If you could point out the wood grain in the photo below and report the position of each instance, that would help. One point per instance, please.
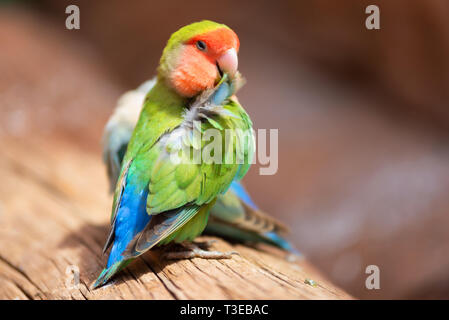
(53, 222)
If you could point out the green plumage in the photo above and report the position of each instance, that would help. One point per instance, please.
(176, 196)
(180, 37)
(172, 185)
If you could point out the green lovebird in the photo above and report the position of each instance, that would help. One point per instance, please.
(163, 193)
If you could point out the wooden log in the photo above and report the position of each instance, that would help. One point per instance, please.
(54, 218)
(54, 200)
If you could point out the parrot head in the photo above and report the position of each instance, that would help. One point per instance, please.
(197, 55)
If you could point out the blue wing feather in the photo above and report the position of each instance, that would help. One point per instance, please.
(132, 218)
(240, 191)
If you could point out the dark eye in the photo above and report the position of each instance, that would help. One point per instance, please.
(201, 45)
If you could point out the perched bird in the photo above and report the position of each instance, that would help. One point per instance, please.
(234, 216)
(158, 201)
(163, 194)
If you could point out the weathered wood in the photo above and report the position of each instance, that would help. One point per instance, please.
(53, 222)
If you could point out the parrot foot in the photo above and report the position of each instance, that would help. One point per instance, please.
(204, 244)
(194, 251)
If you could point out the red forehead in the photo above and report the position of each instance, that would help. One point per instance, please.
(218, 40)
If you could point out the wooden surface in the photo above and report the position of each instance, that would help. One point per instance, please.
(54, 220)
(54, 201)
(365, 186)
(365, 182)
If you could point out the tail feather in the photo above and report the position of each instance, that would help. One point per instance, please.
(281, 242)
(237, 217)
(108, 273)
(234, 233)
(130, 218)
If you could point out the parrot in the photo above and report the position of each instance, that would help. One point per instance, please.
(158, 200)
(234, 216)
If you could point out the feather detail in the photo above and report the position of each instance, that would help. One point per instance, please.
(119, 128)
(205, 107)
(109, 272)
(235, 216)
(162, 229)
(257, 220)
(121, 185)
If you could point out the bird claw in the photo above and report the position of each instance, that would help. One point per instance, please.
(194, 251)
(204, 244)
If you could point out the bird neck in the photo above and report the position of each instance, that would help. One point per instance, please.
(166, 95)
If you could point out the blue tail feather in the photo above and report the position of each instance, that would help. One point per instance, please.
(240, 191)
(131, 219)
(273, 237)
(282, 243)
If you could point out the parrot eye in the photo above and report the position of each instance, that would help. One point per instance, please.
(201, 45)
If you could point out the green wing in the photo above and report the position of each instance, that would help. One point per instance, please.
(160, 228)
(172, 185)
(178, 192)
(162, 112)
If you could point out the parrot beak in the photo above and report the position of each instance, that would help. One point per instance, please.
(228, 62)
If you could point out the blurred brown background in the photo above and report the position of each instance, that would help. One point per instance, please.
(363, 115)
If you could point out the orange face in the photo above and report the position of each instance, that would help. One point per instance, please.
(202, 59)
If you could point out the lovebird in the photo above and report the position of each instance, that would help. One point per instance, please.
(162, 193)
(234, 216)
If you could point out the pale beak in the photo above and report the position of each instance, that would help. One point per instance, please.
(228, 62)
